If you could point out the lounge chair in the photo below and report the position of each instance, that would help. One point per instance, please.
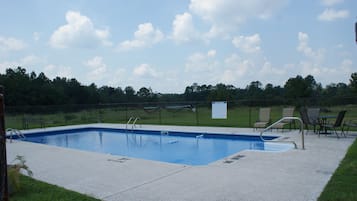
(336, 124)
(287, 112)
(264, 118)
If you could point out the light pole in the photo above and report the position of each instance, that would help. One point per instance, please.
(356, 32)
(4, 196)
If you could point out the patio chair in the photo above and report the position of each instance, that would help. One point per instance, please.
(336, 124)
(287, 112)
(347, 125)
(304, 117)
(310, 116)
(313, 117)
(264, 118)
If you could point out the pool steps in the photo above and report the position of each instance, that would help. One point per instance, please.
(199, 136)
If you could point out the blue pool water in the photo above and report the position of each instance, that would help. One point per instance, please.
(166, 146)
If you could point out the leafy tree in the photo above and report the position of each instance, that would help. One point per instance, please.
(23, 88)
(129, 93)
(254, 89)
(221, 92)
(111, 95)
(144, 92)
(353, 82)
(299, 87)
(271, 91)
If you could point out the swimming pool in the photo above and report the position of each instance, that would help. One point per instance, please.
(189, 148)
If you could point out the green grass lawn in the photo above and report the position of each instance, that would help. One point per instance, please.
(34, 190)
(343, 183)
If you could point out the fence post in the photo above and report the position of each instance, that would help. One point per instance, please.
(126, 112)
(250, 116)
(3, 170)
(160, 114)
(197, 119)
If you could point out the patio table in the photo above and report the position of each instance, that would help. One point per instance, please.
(323, 121)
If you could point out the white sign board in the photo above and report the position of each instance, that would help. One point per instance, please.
(219, 110)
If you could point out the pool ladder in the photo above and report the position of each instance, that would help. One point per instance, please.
(12, 131)
(133, 125)
(279, 121)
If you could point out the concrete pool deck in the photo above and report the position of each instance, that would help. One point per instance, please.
(298, 175)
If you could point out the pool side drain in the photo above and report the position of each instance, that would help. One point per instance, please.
(234, 158)
(228, 161)
(119, 160)
(237, 157)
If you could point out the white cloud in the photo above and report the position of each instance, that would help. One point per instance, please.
(184, 29)
(330, 14)
(248, 44)
(211, 53)
(268, 70)
(303, 47)
(331, 2)
(235, 69)
(36, 36)
(346, 66)
(328, 74)
(98, 69)
(52, 71)
(8, 64)
(79, 32)
(315, 64)
(11, 44)
(310, 68)
(201, 62)
(32, 60)
(145, 36)
(145, 71)
(227, 15)
(240, 71)
(28, 62)
(117, 77)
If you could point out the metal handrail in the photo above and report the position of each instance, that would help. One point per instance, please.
(12, 131)
(128, 122)
(135, 119)
(134, 122)
(279, 121)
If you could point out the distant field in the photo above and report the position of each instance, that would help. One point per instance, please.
(237, 116)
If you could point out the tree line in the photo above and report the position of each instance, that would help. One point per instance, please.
(23, 88)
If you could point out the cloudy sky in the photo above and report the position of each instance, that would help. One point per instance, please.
(170, 44)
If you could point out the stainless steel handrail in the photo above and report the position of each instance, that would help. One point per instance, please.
(279, 121)
(134, 122)
(128, 122)
(12, 131)
(135, 119)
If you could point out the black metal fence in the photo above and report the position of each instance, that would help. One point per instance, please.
(240, 113)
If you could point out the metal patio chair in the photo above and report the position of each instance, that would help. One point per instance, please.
(336, 124)
(313, 117)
